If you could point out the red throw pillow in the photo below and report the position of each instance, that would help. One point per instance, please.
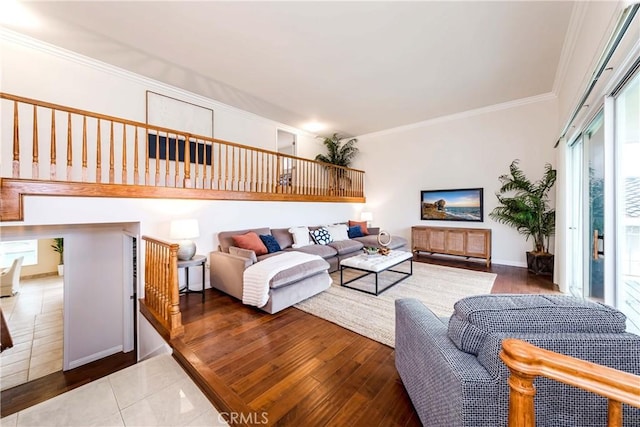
(250, 241)
(362, 224)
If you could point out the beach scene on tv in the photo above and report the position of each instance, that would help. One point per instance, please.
(452, 205)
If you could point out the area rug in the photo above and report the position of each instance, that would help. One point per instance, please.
(438, 287)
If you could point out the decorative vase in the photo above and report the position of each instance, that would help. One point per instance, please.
(60, 269)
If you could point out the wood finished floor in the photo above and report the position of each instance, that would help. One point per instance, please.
(297, 367)
(300, 369)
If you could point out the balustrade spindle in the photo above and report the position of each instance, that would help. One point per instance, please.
(136, 172)
(98, 153)
(84, 149)
(16, 143)
(166, 160)
(176, 164)
(35, 169)
(52, 163)
(69, 150)
(187, 160)
(112, 160)
(124, 154)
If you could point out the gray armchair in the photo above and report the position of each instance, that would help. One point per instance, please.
(453, 374)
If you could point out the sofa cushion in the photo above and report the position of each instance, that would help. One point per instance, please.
(324, 251)
(362, 224)
(321, 236)
(225, 238)
(474, 318)
(244, 253)
(298, 272)
(250, 241)
(301, 236)
(355, 231)
(283, 236)
(346, 246)
(270, 243)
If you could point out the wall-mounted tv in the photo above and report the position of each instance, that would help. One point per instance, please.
(465, 204)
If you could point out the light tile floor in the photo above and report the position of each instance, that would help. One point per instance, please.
(34, 318)
(156, 392)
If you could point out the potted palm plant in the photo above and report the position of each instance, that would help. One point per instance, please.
(524, 205)
(58, 246)
(339, 153)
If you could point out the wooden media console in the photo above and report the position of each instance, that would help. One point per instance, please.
(466, 242)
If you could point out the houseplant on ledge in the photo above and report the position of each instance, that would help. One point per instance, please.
(58, 246)
(339, 153)
(524, 205)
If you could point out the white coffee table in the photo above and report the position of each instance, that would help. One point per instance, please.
(376, 264)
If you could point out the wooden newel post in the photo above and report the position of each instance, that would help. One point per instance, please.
(521, 388)
(175, 317)
(521, 399)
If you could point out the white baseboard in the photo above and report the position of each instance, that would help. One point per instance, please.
(93, 357)
(509, 263)
(163, 349)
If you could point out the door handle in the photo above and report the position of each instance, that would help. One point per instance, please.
(596, 244)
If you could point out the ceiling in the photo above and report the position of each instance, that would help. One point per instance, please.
(359, 67)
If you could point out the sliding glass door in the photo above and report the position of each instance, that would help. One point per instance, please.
(586, 230)
(627, 131)
(604, 160)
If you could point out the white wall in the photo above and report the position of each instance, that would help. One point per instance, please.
(35, 70)
(93, 286)
(48, 261)
(93, 296)
(463, 151)
(595, 22)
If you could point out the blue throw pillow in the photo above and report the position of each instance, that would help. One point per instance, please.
(355, 231)
(270, 242)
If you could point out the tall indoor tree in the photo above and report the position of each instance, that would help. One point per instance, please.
(525, 206)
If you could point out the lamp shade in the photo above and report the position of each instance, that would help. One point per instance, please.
(182, 229)
(366, 216)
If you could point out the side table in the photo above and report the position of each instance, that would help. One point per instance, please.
(197, 260)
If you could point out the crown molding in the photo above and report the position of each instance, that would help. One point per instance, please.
(151, 84)
(466, 114)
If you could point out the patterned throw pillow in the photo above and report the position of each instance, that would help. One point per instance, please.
(271, 243)
(355, 231)
(321, 236)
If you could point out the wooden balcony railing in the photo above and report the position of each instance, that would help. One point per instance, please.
(526, 362)
(51, 143)
(161, 303)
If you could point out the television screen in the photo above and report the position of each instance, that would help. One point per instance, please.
(452, 205)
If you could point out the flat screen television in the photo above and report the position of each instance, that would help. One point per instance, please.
(464, 204)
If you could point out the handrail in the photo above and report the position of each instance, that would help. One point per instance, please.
(161, 304)
(526, 361)
(142, 154)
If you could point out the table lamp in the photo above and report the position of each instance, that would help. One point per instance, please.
(366, 216)
(184, 230)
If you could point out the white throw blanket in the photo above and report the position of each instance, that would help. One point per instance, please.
(256, 278)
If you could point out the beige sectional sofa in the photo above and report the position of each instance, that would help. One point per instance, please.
(292, 285)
